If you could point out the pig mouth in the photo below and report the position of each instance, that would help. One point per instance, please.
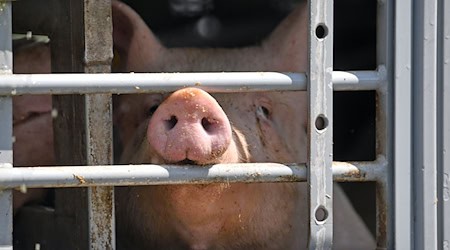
(186, 162)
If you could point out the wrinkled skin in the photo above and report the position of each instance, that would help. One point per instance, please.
(219, 216)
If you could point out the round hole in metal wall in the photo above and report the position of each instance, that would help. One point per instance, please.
(321, 214)
(321, 31)
(321, 122)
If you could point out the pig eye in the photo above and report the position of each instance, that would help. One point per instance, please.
(263, 111)
(152, 110)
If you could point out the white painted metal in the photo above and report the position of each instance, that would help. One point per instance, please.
(320, 126)
(122, 175)
(444, 124)
(19, 84)
(425, 124)
(402, 125)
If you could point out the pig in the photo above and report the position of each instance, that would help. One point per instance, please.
(192, 127)
(247, 127)
(32, 119)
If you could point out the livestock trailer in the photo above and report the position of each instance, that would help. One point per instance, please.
(410, 81)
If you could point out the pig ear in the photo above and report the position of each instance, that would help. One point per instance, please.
(135, 45)
(289, 40)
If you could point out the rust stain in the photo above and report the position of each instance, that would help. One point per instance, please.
(355, 174)
(382, 215)
(255, 176)
(103, 205)
(79, 178)
(290, 178)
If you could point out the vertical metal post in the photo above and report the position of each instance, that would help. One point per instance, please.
(425, 123)
(84, 124)
(99, 151)
(384, 123)
(401, 80)
(97, 57)
(444, 124)
(6, 210)
(6, 154)
(320, 95)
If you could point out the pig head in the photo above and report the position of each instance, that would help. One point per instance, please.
(192, 127)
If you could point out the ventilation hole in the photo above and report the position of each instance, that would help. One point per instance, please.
(321, 122)
(321, 214)
(321, 31)
(170, 124)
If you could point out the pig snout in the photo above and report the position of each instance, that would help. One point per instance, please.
(189, 126)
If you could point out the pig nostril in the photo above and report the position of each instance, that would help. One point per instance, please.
(207, 124)
(170, 124)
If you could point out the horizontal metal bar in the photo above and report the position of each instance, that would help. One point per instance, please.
(362, 171)
(359, 80)
(125, 175)
(118, 83)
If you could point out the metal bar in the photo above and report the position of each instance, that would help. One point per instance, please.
(402, 98)
(122, 175)
(6, 154)
(320, 133)
(360, 171)
(97, 58)
(444, 124)
(382, 203)
(6, 210)
(384, 123)
(102, 223)
(425, 122)
(19, 84)
(100, 199)
(359, 80)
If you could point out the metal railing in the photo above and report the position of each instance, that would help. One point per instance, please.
(413, 132)
(321, 107)
(215, 82)
(118, 83)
